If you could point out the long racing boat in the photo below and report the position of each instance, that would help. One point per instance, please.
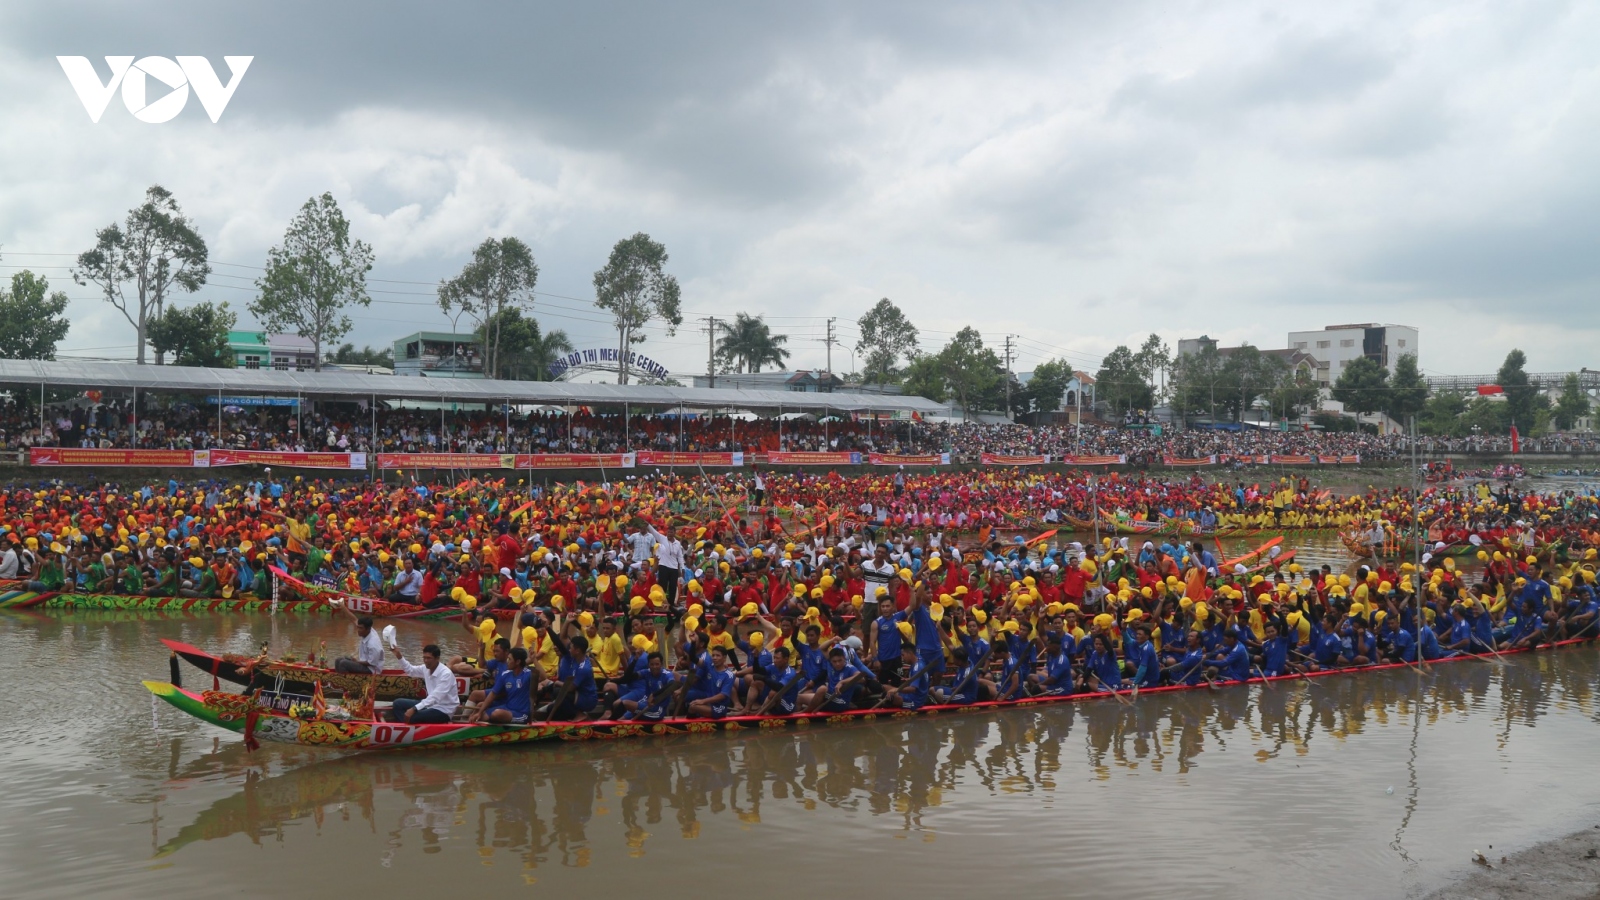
(290, 720)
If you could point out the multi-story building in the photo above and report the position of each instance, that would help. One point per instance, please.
(261, 350)
(1336, 346)
(439, 354)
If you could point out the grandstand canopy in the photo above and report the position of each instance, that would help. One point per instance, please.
(114, 376)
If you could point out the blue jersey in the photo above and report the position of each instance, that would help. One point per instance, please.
(1104, 666)
(1187, 668)
(914, 692)
(812, 663)
(927, 631)
(1275, 656)
(511, 692)
(1402, 644)
(1146, 666)
(1235, 663)
(780, 677)
(888, 636)
(837, 677)
(581, 672)
(1058, 672)
(720, 682)
(965, 688)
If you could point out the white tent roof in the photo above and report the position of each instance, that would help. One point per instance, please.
(357, 386)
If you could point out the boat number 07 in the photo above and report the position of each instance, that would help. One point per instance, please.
(388, 735)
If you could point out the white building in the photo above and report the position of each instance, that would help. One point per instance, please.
(1336, 346)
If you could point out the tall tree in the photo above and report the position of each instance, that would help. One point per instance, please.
(1154, 359)
(1363, 386)
(32, 318)
(137, 264)
(1524, 399)
(887, 337)
(972, 372)
(1048, 385)
(1572, 405)
(1247, 374)
(195, 335)
(1123, 382)
(311, 278)
(1408, 390)
(747, 344)
(501, 276)
(1197, 379)
(635, 288)
(527, 352)
(1295, 390)
(923, 377)
(1441, 414)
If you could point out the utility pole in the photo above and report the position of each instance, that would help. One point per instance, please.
(711, 350)
(830, 340)
(1008, 376)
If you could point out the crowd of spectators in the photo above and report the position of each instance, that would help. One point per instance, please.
(178, 424)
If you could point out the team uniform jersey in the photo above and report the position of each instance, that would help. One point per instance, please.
(511, 693)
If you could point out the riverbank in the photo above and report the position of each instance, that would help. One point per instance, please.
(1567, 868)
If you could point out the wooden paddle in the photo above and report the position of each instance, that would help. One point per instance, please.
(1253, 553)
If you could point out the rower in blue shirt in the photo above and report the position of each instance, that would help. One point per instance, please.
(1399, 645)
(784, 697)
(649, 693)
(1142, 659)
(1058, 679)
(1232, 663)
(717, 691)
(842, 682)
(1186, 665)
(1101, 669)
(930, 649)
(577, 695)
(510, 701)
(1274, 652)
(913, 694)
(964, 690)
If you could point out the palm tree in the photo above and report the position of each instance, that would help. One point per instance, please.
(747, 344)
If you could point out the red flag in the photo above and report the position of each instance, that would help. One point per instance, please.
(1516, 443)
(1489, 390)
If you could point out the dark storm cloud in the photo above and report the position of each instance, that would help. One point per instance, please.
(752, 102)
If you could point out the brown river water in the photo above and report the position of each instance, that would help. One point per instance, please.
(1368, 785)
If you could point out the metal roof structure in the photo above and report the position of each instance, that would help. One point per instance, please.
(359, 386)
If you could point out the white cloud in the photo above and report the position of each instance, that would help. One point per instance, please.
(1079, 177)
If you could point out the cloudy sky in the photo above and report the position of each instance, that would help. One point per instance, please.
(1075, 174)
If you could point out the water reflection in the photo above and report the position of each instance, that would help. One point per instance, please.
(542, 806)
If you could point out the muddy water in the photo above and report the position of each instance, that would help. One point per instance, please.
(1373, 785)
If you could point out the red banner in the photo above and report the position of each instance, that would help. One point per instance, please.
(1094, 460)
(664, 458)
(290, 460)
(996, 459)
(1185, 461)
(895, 459)
(812, 458)
(1283, 460)
(81, 456)
(575, 460)
(446, 460)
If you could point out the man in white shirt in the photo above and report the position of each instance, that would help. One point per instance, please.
(878, 571)
(442, 699)
(669, 564)
(9, 562)
(369, 650)
(407, 583)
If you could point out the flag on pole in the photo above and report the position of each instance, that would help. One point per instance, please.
(1489, 390)
(1516, 444)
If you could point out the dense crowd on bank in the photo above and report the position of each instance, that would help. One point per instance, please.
(355, 427)
(718, 574)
